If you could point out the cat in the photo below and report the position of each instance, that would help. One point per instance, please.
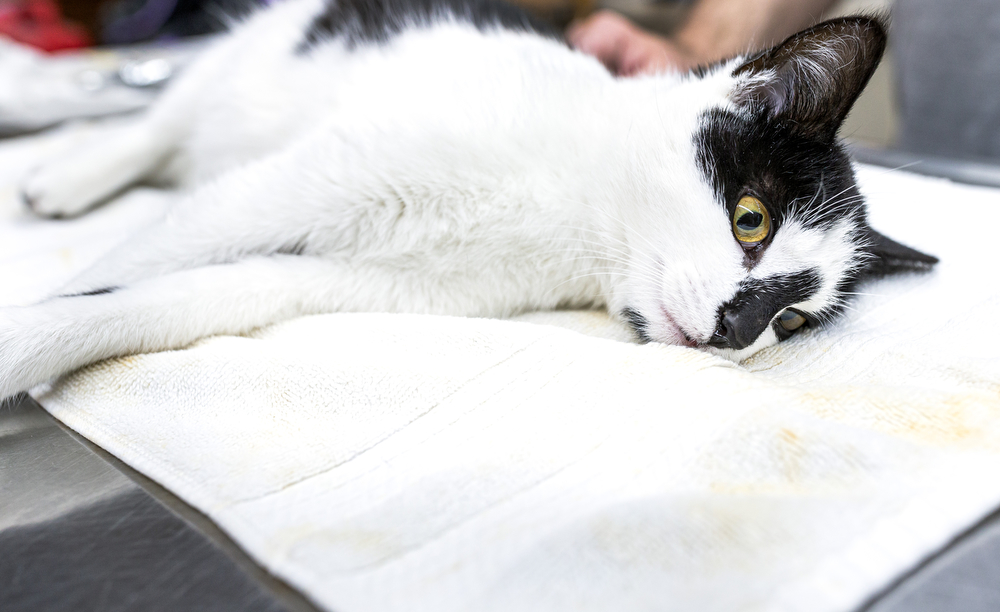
(455, 157)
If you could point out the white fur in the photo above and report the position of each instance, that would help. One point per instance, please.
(514, 175)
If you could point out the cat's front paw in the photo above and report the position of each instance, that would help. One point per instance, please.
(60, 190)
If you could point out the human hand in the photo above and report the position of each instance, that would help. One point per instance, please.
(626, 49)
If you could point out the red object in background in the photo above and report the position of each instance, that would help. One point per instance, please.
(38, 23)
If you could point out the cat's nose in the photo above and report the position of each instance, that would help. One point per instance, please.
(734, 333)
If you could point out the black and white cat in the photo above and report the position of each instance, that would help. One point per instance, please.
(451, 157)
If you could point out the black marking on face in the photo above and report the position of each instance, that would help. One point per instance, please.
(791, 321)
(752, 155)
(359, 22)
(779, 144)
(638, 323)
(102, 291)
(745, 317)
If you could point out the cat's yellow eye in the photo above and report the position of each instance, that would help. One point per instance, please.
(791, 320)
(751, 222)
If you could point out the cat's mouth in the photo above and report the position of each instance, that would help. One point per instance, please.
(679, 335)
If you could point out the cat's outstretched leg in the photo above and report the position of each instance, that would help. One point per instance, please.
(316, 196)
(245, 212)
(84, 176)
(62, 334)
(121, 155)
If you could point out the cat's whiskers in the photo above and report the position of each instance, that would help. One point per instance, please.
(612, 265)
(630, 259)
(793, 210)
(621, 265)
(839, 203)
(599, 251)
(834, 198)
(602, 293)
(846, 306)
(627, 269)
(621, 269)
(625, 226)
(862, 293)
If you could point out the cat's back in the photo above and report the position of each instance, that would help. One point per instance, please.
(298, 65)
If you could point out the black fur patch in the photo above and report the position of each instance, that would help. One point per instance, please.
(747, 315)
(780, 144)
(638, 323)
(742, 155)
(891, 257)
(359, 22)
(102, 291)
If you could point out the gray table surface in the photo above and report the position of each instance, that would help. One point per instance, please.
(81, 531)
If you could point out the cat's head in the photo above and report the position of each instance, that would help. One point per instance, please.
(775, 235)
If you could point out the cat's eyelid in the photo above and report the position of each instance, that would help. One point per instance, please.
(811, 319)
(782, 332)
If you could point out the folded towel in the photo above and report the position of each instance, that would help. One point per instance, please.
(402, 462)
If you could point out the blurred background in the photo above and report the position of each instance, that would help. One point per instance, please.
(936, 95)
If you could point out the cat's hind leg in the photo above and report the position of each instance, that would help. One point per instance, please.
(242, 213)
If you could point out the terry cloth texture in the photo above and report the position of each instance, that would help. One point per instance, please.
(397, 462)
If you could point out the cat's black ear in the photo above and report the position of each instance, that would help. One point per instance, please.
(890, 257)
(811, 80)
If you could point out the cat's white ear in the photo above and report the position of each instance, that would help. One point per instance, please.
(811, 80)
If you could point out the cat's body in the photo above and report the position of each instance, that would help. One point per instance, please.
(441, 157)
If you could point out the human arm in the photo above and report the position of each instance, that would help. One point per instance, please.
(714, 29)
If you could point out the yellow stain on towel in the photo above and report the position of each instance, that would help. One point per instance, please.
(762, 457)
(969, 418)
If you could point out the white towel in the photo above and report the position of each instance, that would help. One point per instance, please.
(400, 462)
